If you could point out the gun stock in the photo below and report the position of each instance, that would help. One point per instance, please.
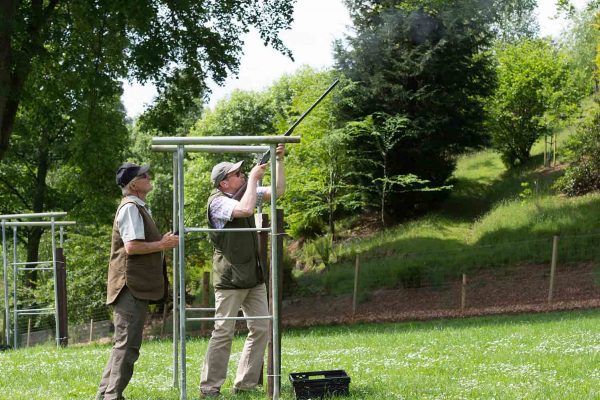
(267, 155)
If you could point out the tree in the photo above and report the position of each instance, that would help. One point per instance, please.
(144, 40)
(383, 132)
(580, 45)
(429, 62)
(61, 123)
(533, 85)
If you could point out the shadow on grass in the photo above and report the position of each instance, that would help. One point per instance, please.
(472, 198)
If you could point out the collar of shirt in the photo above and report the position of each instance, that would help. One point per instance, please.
(140, 202)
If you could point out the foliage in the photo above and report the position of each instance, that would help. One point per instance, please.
(63, 121)
(508, 357)
(426, 61)
(533, 89)
(87, 251)
(583, 154)
(152, 40)
(381, 133)
(580, 46)
(318, 188)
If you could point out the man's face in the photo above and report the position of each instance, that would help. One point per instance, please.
(233, 181)
(142, 183)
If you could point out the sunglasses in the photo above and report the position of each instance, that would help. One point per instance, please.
(236, 173)
(143, 176)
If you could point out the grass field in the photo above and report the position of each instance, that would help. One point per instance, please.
(541, 356)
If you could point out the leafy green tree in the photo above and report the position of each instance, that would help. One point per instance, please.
(533, 86)
(426, 61)
(383, 132)
(318, 168)
(146, 40)
(580, 45)
(55, 162)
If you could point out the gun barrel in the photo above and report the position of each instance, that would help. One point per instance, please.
(265, 157)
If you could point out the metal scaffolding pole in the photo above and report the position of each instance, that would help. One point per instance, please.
(275, 279)
(181, 225)
(175, 222)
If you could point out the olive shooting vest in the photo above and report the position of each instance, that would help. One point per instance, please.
(235, 259)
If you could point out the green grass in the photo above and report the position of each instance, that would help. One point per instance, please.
(494, 217)
(541, 356)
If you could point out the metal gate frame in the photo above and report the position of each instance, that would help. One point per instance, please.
(13, 220)
(216, 144)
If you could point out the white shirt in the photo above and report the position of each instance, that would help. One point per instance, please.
(130, 222)
(221, 208)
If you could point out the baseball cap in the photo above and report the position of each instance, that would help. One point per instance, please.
(221, 170)
(128, 171)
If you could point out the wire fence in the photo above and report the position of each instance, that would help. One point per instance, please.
(507, 277)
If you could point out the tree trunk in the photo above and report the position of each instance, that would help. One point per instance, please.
(15, 63)
(7, 16)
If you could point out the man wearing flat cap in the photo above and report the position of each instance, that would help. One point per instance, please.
(238, 276)
(136, 276)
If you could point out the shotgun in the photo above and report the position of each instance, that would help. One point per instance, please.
(267, 155)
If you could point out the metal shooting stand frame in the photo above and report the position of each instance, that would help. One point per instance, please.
(13, 220)
(216, 144)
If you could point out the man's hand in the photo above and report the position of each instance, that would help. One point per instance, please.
(257, 172)
(169, 241)
(280, 151)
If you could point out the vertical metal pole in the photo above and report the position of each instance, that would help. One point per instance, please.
(56, 317)
(5, 263)
(62, 233)
(180, 155)
(175, 266)
(275, 280)
(15, 302)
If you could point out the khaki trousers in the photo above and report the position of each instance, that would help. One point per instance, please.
(129, 316)
(227, 303)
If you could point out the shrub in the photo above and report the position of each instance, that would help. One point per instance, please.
(583, 153)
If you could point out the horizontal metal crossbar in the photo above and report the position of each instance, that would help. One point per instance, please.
(228, 230)
(36, 269)
(235, 140)
(35, 311)
(34, 215)
(32, 263)
(230, 318)
(40, 223)
(212, 149)
(200, 309)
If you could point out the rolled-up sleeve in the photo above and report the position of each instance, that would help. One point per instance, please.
(130, 223)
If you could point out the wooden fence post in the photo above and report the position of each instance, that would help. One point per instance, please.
(463, 293)
(28, 330)
(553, 267)
(355, 292)
(205, 300)
(91, 329)
(61, 283)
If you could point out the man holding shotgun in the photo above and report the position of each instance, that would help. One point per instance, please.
(238, 276)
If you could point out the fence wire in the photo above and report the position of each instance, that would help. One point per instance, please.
(499, 278)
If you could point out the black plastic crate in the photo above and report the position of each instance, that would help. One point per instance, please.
(316, 384)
